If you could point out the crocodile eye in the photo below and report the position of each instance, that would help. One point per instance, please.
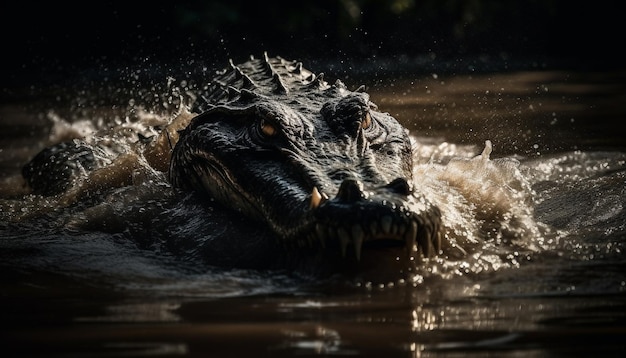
(267, 128)
(367, 121)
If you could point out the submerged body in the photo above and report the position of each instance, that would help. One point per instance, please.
(281, 169)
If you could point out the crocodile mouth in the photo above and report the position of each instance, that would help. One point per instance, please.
(380, 220)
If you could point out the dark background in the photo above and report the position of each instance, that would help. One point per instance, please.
(55, 41)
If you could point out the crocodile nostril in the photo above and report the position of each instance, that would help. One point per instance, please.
(400, 186)
(351, 190)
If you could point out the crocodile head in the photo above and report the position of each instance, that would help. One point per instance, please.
(318, 164)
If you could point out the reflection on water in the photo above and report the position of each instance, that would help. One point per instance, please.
(552, 283)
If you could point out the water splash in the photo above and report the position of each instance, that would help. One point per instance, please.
(487, 208)
(486, 204)
(497, 212)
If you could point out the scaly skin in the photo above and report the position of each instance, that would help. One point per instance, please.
(316, 163)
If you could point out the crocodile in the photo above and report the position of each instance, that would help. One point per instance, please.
(316, 164)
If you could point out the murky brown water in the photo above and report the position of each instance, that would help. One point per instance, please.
(92, 296)
(523, 113)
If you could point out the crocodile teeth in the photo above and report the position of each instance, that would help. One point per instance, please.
(357, 240)
(411, 233)
(344, 240)
(316, 198)
(411, 236)
(424, 240)
(374, 228)
(385, 223)
(416, 235)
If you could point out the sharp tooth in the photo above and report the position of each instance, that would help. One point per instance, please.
(437, 238)
(401, 230)
(344, 239)
(385, 223)
(357, 240)
(316, 198)
(373, 228)
(410, 238)
(423, 239)
(431, 237)
(411, 233)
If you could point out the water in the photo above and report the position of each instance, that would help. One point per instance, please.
(527, 167)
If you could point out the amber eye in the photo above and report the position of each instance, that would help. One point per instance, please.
(267, 128)
(367, 121)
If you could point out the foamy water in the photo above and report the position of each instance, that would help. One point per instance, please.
(488, 205)
(498, 211)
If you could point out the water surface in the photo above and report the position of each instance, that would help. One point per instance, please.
(541, 217)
